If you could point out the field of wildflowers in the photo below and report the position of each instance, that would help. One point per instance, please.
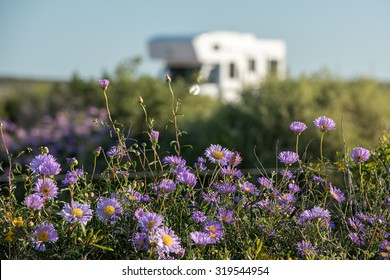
(150, 204)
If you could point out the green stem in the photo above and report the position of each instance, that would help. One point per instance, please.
(174, 112)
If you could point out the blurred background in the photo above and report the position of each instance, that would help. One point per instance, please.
(52, 53)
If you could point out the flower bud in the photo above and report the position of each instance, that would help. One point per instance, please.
(168, 79)
(104, 84)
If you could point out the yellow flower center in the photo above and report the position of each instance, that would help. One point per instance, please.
(18, 222)
(225, 218)
(248, 189)
(140, 242)
(324, 127)
(109, 210)
(167, 240)
(212, 235)
(77, 212)
(45, 190)
(212, 228)
(218, 155)
(43, 236)
(150, 224)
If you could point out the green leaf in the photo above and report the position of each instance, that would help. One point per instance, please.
(103, 247)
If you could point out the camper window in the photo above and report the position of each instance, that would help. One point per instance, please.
(232, 70)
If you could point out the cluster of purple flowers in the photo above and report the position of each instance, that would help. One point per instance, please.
(316, 214)
(212, 231)
(43, 234)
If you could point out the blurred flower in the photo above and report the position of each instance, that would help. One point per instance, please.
(141, 241)
(226, 216)
(248, 187)
(115, 151)
(104, 84)
(76, 212)
(198, 216)
(265, 182)
(287, 174)
(294, 188)
(150, 221)
(336, 193)
(200, 164)
(360, 154)
(46, 187)
(139, 213)
(166, 240)
(214, 229)
(43, 234)
(324, 124)
(18, 222)
(165, 186)
(288, 157)
(201, 238)
(174, 161)
(133, 195)
(318, 179)
(10, 236)
(355, 238)
(306, 249)
(286, 198)
(72, 177)
(154, 136)
(225, 188)
(233, 158)
(186, 177)
(211, 197)
(34, 201)
(46, 165)
(298, 127)
(231, 171)
(217, 154)
(109, 209)
(72, 161)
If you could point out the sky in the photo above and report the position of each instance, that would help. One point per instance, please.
(53, 39)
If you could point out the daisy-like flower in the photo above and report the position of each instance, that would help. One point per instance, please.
(200, 164)
(318, 179)
(285, 198)
(34, 201)
(103, 84)
(150, 221)
(306, 249)
(174, 161)
(226, 216)
(294, 188)
(288, 157)
(324, 124)
(336, 193)
(298, 127)
(167, 241)
(165, 186)
(43, 234)
(47, 188)
(217, 154)
(358, 240)
(233, 158)
(186, 177)
(139, 213)
(109, 210)
(46, 165)
(265, 182)
(212, 197)
(214, 229)
(248, 187)
(360, 154)
(76, 212)
(201, 238)
(225, 188)
(141, 241)
(231, 171)
(72, 177)
(115, 152)
(198, 216)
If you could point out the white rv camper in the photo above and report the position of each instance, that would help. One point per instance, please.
(224, 61)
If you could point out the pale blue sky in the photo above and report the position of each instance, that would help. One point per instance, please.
(55, 38)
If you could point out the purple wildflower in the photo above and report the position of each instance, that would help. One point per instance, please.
(217, 154)
(231, 171)
(72, 177)
(115, 151)
(324, 124)
(186, 177)
(225, 188)
(103, 84)
(165, 186)
(214, 229)
(286, 198)
(46, 187)
(360, 154)
(200, 164)
(201, 238)
(212, 197)
(306, 249)
(288, 157)
(46, 165)
(174, 161)
(43, 234)
(154, 136)
(233, 158)
(76, 212)
(150, 221)
(139, 213)
(318, 179)
(141, 241)
(336, 193)
(298, 127)
(34, 201)
(248, 187)
(355, 238)
(109, 209)
(133, 195)
(167, 241)
(198, 216)
(294, 188)
(226, 216)
(265, 182)
(287, 174)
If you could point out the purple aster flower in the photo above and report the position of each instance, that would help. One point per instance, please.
(76, 212)
(150, 221)
(43, 234)
(226, 216)
(46, 165)
(265, 182)
(46, 187)
(201, 238)
(72, 177)
(133, 195)
(165, 186)
(103, 84)
(304, 218)
(186, 177)
(294, 188)
(249, 188)
(167, 241)
(200, 164)
(212, 197)
(231, 171)
(358, 240)
(336, 193)
(145, 198)
(174, 161)
(233, 158)
(288, 157)
(214, 229)
(360, 154)
(385, 245)
(72, 161)
(306, 249)
(34, 201)
(318, 179)
(318, 213)
(287, 174)
(109, 209)
(139, 213)
(298, 127)
(115, 151)
(217, 154)
(141, 241)
(154, 136)
(198, 216)
(356, 224)
(286, 198)
(265, 204)
(324, 124)
(225, 188)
